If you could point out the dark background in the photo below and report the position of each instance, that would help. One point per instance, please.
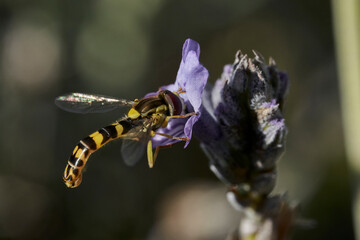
(127, 49)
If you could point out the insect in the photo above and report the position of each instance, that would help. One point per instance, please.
(136, 128)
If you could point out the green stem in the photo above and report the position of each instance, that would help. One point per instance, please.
(346, 27)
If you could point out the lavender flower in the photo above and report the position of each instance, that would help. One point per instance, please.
(191, 78)
(242, 131)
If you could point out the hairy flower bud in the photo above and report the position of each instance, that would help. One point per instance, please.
(242, 129)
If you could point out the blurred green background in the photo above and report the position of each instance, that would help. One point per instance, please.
(127, 49)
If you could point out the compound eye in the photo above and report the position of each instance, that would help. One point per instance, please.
(174, 102)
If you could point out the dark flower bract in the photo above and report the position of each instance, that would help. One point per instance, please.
(242, 129)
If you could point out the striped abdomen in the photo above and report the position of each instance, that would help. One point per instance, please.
(73, 171)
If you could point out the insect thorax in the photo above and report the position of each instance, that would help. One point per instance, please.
(147, 106)
(157, 108)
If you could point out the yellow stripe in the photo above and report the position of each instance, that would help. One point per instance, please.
(119, 129)
(78, 153)
(133, 114)
(75, 149)
(66, 176)
(98, 138)
(94, 134)
(82, 157)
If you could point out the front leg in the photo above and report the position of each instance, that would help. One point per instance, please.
(152, 157)
(166, 121)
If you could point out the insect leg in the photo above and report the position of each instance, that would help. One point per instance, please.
(172, 137)
(81, 153)
(150, 154)
(157, 149)
(151, 157)
(179, 91)
(183, 116)
(166, 121)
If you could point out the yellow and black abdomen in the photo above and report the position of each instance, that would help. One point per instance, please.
(82, 151)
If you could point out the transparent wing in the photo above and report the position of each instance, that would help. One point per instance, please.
(134, 144)
(90, 103)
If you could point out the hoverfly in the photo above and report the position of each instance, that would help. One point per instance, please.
(139, 125)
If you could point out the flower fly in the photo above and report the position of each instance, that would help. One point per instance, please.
(136, 128)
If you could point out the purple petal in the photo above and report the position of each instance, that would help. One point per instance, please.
(192, 77)
(271, 105)
(189, 126)
(170, 87)
(190, 45)
(174, 128)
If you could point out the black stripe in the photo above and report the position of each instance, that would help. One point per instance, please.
(84, 149)
(126, 126)
(111, 130)
(147, 104)
(67, 170)
(89, 142)
(105, 134)
(76, 172)
(86, 152)
(79, 163)
(72, 160)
